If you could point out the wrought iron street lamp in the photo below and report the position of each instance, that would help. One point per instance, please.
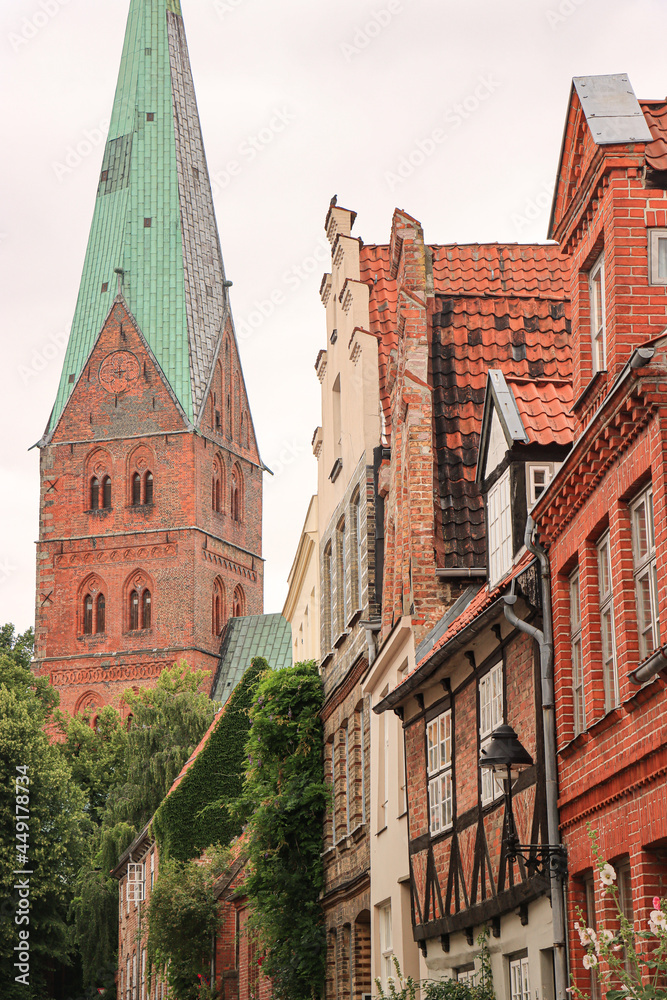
(506, 756)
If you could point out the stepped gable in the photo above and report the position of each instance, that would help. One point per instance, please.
(375, 271)
(496, 306)
(153, 218)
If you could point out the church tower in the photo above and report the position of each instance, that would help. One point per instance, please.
(151, 480)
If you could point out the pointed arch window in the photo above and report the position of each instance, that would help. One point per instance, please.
(148, 488)
(88, 614)
(101, 616)
(218, 607)
(146, 606)
(136, 490)
(106, 492)
(216, 485)
(236, 506)
(94, 493)
(134, 611)
(239, 603)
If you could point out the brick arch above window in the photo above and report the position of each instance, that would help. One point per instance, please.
(92, 608)
(138, 602)
(89, 700)
(98, 480)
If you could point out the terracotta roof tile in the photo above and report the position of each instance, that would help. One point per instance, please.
(497, 306)
(545, 409)
(655, 113)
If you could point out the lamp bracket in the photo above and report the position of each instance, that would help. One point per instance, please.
(549, 860)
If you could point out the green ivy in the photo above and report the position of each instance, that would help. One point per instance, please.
(197, 813)
(283, 801)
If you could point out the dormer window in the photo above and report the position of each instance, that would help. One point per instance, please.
(500, 529)
(596, 289)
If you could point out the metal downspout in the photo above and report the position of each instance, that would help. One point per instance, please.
(544, 639)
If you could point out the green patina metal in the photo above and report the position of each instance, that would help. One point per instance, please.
(137, 220)
(268, 636)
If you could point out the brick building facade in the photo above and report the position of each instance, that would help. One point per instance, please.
(151, 481)
(603, 517)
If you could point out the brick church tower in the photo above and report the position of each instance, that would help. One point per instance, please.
(151, 480)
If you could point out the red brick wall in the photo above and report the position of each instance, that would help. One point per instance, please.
(178, 545)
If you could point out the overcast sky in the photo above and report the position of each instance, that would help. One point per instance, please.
(299, 100)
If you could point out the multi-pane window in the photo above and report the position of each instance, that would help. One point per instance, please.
(539, 477)
(346, 751)
(645, 571)
(136, 489)
(466, 973)
(491, 713)
(341, 563)
(519, 979)
(596, 289)
(440, 793)
(386, 947)
(575, 647)
(500, 529)
(609, 664)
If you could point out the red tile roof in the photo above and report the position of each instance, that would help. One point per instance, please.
(480, 602)
(655, 113)
(545, 409)
(497, 306)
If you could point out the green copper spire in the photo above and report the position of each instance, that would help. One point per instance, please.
(153, 218)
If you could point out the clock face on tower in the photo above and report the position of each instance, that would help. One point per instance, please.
(119, 371)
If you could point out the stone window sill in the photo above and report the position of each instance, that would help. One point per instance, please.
(358, 833)
(340, 639)
(606, 722)
(576, 743)
(644, 694)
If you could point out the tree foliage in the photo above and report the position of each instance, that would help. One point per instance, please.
(183, 915)
(284, 799)
(57, 825)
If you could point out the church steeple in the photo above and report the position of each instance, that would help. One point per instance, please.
(153, 218)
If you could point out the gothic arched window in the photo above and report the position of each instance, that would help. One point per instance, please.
(106, 492)
(136, 490)
(146, 609)
(148, 488)
(94, 493)
(239, 603)
(134, 611)
(101, 616)
(88, 615)
(236, 506)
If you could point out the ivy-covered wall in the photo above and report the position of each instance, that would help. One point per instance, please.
(196, 814)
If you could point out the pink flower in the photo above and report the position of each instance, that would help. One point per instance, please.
(590, 961)
(656, 902)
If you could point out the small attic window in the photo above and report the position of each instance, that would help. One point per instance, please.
(150, 116)
(657, 256)
(71, 379)
(149, 52)
(105, 175)
(148, 223)
(105, 286)
(539, 477)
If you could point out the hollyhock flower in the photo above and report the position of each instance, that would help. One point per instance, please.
(590, 961)
(605, 935)
(607, 875)
(657, 922)
(656, 902)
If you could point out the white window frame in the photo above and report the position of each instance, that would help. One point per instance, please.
(533, 495)
(386, 947)
(500, 529)
(439, 744)
(519, 979)
(346, 751)
(612, 697)
(654, 238)
(136, 881)
(491, 715)
(466, 974)
(645, 573)
(143, 974)
(578, 698)
(598, 323)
